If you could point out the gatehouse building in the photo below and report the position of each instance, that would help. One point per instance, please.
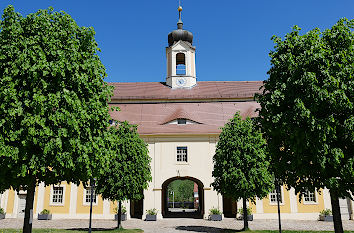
(180, 119)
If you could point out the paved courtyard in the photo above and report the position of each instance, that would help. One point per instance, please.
(181, 225)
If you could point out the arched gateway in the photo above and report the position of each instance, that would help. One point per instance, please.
(193, 209)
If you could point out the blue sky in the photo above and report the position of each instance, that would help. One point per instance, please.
(232, 36)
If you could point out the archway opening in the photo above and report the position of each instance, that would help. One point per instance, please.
(182, 197)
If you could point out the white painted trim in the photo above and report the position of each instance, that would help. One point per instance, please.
(106, 208)
(73, 199)
(4, 199)
(293, 201)
(15, 210)
(82, 216)
(259, 206)
(294, 216)
(40, 197)
(326, 199)
(51, 195)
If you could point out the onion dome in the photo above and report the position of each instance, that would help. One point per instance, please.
(180, 34)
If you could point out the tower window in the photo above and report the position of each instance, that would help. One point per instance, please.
(181, 64)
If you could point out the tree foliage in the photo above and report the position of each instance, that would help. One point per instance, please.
(53, 100)
(307, 109)
(183, 190)
(127, 171)
(240, 161)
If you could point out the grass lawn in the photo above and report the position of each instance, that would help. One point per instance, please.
(71, 231)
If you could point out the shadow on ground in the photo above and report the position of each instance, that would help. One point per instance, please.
(205, 229)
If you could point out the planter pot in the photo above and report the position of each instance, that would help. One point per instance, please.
(150, 217)
(44, 216)
(215, 217)
(123, 216)
(2, 216)
(249, 217)
(326, 218)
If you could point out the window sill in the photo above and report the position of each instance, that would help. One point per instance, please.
(275, 204)
(310, 203)
(182, 163)
(88, 204)
(53, 204)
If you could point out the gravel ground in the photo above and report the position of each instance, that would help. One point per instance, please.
(181, 225)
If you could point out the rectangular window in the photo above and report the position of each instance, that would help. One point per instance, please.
(88, 196)
(58, 194)
(273, 197)
(309, 197)
(182, 154)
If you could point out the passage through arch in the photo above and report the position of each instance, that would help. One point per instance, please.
(182, 197)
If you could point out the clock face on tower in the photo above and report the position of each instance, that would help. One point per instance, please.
(181, 82)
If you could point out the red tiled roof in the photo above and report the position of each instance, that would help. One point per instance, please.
(203, 90)
(150, 117)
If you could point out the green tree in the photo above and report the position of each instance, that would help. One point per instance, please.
(53, 102)
(240, 163)
(183, 190)
(127, 171)
(307, 111)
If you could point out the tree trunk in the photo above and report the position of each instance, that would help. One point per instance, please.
(245, 215)
(27, 224)
(337, 218)
(119, 215)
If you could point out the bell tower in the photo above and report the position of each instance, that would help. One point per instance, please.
(180, 55)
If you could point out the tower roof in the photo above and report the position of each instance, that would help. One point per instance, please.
(180, 33)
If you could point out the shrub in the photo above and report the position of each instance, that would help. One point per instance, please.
(215, 211)
(124, 210)
(2, 211)
(45, 211)
(152, 211)
(240, 211)
(326, 212)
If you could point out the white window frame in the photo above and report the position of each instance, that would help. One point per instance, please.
(310, 202)
(282, 202)
(52, 192)
(176, 155)
(84, 197)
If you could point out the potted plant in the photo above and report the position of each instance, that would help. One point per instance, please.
(249, 214)
(45, 215)
(2, 213)
(215, 214)
(123, 215)
(326, 215)
(151, 215)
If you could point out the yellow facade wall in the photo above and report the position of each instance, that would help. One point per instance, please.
(284, 208)
(57, 209)
(10, 202)
(85, 209)
(311, 208)
(112, 206)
